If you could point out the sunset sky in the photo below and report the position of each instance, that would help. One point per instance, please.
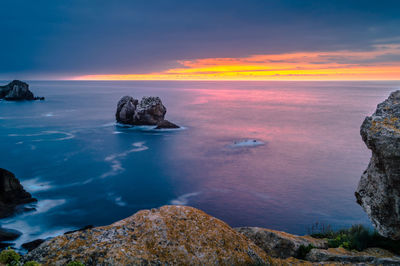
(200, 40)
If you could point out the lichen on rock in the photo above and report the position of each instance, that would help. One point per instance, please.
(170, 235)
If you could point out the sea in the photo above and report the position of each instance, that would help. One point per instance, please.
(280, 155)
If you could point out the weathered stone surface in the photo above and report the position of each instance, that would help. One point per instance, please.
(149, 111)
(280, 244)
(17, 91)
(378, 191)
(375, 256)
(170, 235)
(166, 124)
(12, 193)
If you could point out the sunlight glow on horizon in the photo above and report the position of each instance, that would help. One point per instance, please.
(333, 65)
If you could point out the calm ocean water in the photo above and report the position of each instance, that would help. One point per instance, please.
(84, 169)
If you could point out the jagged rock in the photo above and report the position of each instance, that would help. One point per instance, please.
(375, 256)
(378, 191)
(17, 91)
(29, 246)
(166, 124)
(149, 111)
(280, 244)
(170, 235)
(12, 193)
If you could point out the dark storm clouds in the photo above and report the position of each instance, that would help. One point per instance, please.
(72, 37)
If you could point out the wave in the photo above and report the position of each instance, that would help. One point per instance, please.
(184, 199)
(246, 143)
(147, 128)
(35, 185)
(116, 199)
(63, 136)
(115, 159)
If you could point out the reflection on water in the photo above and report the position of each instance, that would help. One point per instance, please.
(281, 155)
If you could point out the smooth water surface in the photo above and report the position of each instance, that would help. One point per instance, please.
(85, 170)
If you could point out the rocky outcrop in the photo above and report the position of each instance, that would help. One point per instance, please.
(280, 244)
(374, 256)
(170, 235)
(12, 193)
(149, 111)
(378, 191)
(17, 91)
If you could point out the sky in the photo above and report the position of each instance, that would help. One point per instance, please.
(200, 40)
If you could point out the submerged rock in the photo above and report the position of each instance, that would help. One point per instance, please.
(12, 193)
(29, 246)
(170, 235)
(378, 191)
(280, 244)
(149, 111)
(17, 91)
(166, 124)
(9, 234)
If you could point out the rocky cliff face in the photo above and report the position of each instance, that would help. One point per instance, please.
(16, 91)
(378, 191)
(149, 111)
(170, 235)
(12, 193)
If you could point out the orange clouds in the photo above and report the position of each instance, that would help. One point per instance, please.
(382, 63)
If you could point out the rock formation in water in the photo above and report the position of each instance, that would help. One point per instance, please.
(12, 194)
(17, 91)
(170, 235)
(378, 191)
(149, 111)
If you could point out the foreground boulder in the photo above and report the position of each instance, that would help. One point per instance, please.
(371, 256)
(12, 194)
(176, 235)
(280, 244)
(149, 111)
(378, 191)
(17, 91)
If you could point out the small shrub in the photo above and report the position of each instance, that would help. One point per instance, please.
(9, 257)
(356, 237)
(75, 263)
(32, 263)
(303, 251)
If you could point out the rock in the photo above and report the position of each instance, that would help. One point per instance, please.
(149, 111)
(9, 234)
(378, 191)
(279, 244)
(374, 256)
(166, 124)
(12, 193)
(17, 91)
(29, 246)
(170, 235)
(81, 229)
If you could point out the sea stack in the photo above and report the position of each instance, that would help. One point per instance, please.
(12, 194)
(378, 191)
(17, 90)
(149, 111)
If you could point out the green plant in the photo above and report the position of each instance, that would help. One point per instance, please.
(75, 263)
(303, 251)
(356, 237)
(9, 257)
(32, 263)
